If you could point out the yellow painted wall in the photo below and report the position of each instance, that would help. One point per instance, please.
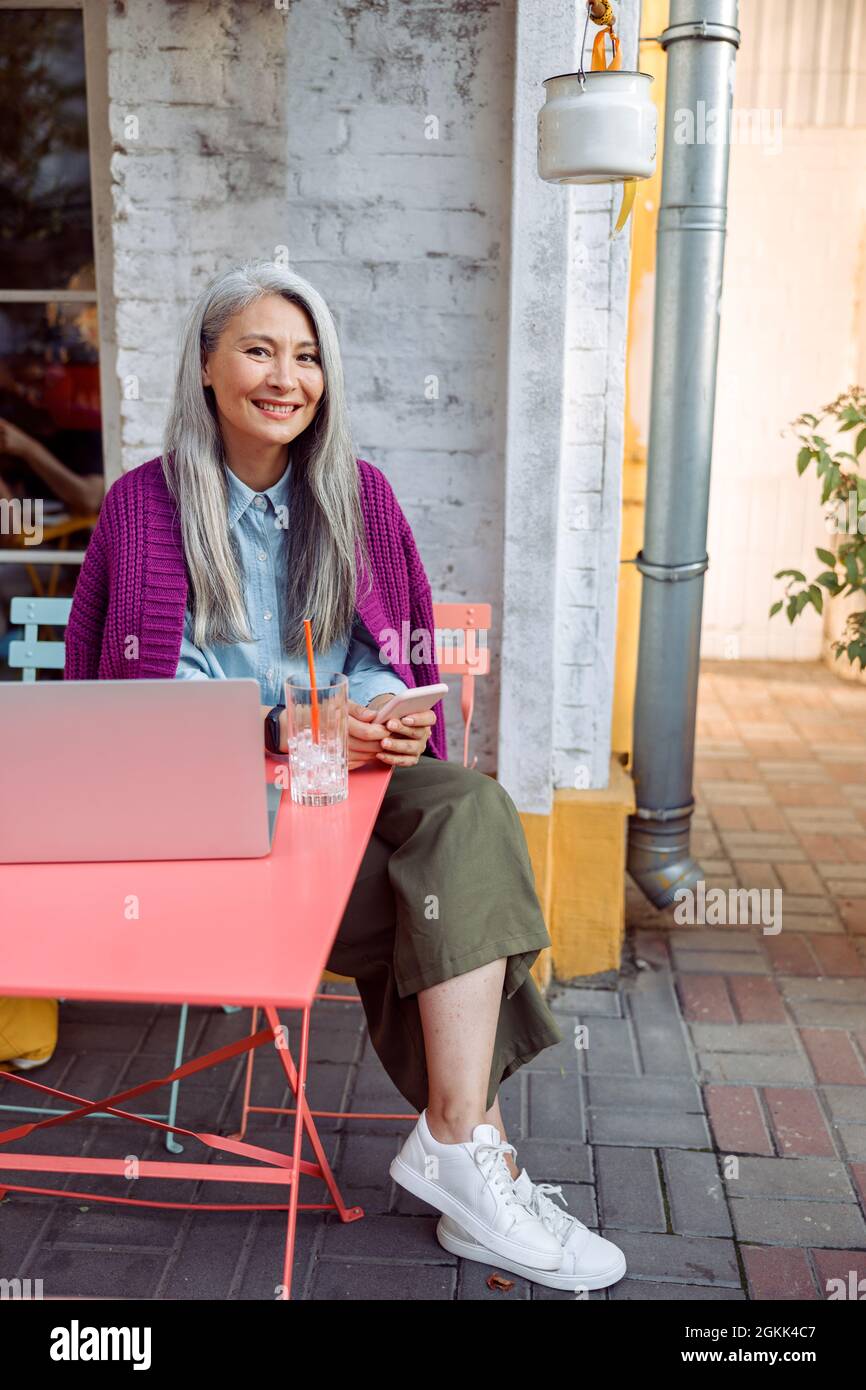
(654, 18)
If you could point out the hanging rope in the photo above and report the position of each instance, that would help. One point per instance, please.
(607, 19)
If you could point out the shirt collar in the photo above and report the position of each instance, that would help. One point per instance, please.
(241, 496)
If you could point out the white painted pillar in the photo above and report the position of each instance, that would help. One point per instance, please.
(568, 315)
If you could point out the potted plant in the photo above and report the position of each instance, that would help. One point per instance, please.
(844, 488)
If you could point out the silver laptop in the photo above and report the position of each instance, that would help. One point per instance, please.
(139, 769)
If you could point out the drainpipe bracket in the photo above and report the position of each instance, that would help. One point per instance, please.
(674, 573)
(664, 813)
(700, 29)
(692, 217)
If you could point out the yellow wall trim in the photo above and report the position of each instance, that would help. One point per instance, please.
(578, 856)
(587, 924)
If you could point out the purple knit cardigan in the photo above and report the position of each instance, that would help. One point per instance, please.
(133, 582)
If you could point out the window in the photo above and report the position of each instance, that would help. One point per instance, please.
(50, 416)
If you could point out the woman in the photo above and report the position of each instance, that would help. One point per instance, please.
(203, 565)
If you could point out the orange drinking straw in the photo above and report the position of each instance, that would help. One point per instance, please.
(314, 709)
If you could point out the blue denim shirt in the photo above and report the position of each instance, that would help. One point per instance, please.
(261, 533)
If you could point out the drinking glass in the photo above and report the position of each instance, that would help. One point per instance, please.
(318, 767)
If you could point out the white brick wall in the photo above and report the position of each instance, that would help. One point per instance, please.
(259, 128)
(591, 471)
(564, 446)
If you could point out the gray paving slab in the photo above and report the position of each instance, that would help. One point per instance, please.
(620, 1124)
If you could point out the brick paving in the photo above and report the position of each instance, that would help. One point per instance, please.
(713, 1126)
(776, 1023)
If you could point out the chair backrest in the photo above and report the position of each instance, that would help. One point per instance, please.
(461, 644)
(461, 638)
(461, 650)
(31, 655)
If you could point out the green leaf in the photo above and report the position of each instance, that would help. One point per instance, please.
(775, 608)
(795, 574)
(804, 458)
(817, 597)
(860, 443)
(827, 556)
(831, 482)
(829, 580)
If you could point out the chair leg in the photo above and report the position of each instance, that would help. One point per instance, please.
(467, 704)
(248, 1079)
(170, 1142)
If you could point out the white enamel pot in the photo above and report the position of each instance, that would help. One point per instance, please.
(598, 130)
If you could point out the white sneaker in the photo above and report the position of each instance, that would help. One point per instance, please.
(471, 1183)
(588, 1261)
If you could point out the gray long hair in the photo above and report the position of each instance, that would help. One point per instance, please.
(324, 509)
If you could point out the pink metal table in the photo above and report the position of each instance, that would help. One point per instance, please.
(254, 932)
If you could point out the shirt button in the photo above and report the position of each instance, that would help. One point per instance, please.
(270, 673)
(261, 503)
(262, 555)
(267, 615)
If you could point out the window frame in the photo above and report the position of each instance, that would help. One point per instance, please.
(95, 24)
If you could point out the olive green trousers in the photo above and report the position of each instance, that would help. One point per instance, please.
(445, 886)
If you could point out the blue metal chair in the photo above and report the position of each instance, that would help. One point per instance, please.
(29, 655)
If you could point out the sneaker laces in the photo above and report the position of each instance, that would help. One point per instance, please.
(498, 1174)
(560, 1222)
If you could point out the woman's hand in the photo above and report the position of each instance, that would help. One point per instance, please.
(407, 738)
(401, 744)
(365, 735)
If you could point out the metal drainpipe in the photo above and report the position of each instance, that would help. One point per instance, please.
(701, 41)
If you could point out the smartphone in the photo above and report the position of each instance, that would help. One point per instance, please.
(421, 698)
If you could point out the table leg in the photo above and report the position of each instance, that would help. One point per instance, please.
(303, 1121)
(276, 1167)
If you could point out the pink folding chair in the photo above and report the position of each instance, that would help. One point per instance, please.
(461, 650)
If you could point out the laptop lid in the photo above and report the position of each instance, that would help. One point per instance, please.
(139, 769)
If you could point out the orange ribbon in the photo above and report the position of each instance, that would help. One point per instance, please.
(600, 64)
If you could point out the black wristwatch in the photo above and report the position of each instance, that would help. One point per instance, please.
(272, 728)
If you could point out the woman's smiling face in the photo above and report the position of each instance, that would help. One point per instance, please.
(266, 372)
